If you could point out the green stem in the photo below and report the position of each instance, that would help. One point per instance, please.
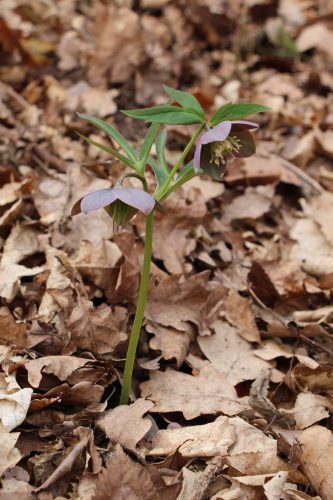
(178, 163)
(140, 309)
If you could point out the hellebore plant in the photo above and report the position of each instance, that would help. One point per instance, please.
(227, 136)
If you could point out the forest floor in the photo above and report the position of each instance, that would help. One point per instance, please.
(234, 378)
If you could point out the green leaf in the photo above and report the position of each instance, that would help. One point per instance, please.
(171, 115)
(109, 150)
(237, 111)
(159, 170)
(147, 144)
(186, 100)
(106, 127)
(160, 150)
(185, 175)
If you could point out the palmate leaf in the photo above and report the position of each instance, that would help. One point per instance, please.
(238, 111)
(160, 171)
(147, 145)
(186, 100)
(109, 150)
(106, 127)
(166, 115)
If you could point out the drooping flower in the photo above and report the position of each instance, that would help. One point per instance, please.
(121, 203)
(229, 139)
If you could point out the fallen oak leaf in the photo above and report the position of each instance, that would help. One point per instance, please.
(126, 425)
(9, 455)
(315, 453)
(208, 393)
(208, 440)
(10, 278)
(99, 329)
(122, 478)
(231, 354)
(60, 366)
(14, 404)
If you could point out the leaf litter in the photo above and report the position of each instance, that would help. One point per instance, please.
(233, 383)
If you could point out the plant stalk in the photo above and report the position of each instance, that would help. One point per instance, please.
(140, 309)
(178, 163)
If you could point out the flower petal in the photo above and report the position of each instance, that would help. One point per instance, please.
(196, 159)
(248, 146)
(97, 199)
(135, 198)
(216, 171)
(218, 133)
(243, 125)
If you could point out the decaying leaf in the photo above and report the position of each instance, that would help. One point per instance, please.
(316, 456)
(208, 393)
(9, 455)
(126, 425)
(100, 329)
(188, 300)
(230, 353)
(14, 403)
(209, 440)
(122, 477)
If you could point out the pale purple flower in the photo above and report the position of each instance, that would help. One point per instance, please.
(227, 140)
(121, 203)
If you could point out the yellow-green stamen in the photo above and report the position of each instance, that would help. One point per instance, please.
(220, 150)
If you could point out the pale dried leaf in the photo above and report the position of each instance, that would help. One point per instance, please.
(207, 393)
(172, 343)
(315, 453)
(60, 366)
(309, 408)
(14, 404)
(123, 478)
(240, 315)
(208, 440)
(126, 425)
(231, 354)
(10, 279)
(9, 455)
(99, 329)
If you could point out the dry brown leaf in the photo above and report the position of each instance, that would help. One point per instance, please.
(15, 332)
(59, 288)
(208, 440)
(14, 402)
(207, 393)
(123, 478)
(126, 425)
(272, 350)
(21, 242)
(309, 409)
(175, 301)
(302, 379)
(312, 250)
(230, 354)
(60, 366)
(99, 329)
(240, 315)
(317, 36)
(12, 488)
(252, 205)
(321, 207)
(9, 455)
(83, 433)
(315, 454)
(172, 343)
(10, 279)
(174, 237)
(98, 263)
